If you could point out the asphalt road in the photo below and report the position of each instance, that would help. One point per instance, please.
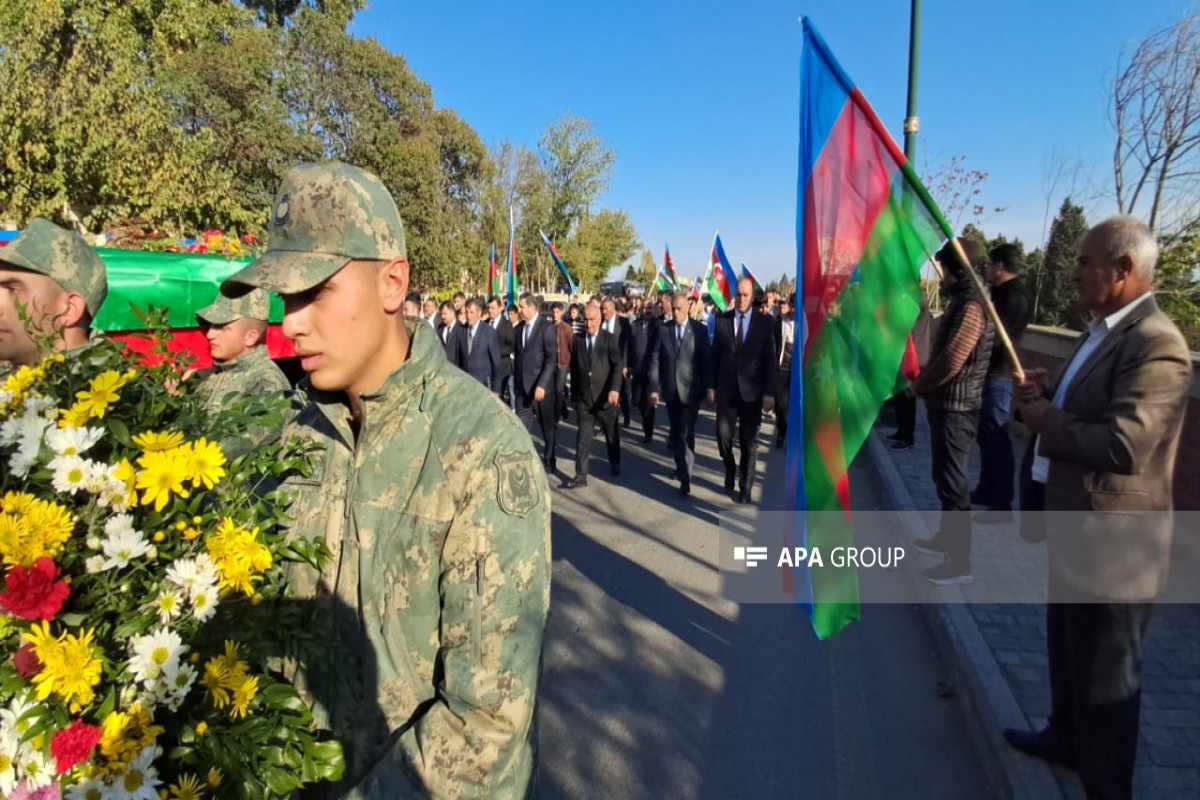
(655, 687)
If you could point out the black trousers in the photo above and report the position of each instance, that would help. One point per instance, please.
(607, 417)
(682, 436)
(951, 436)
(1095, 655)
(560, 392)
(540, 416)
(747, 417)
(783, 399)
(625, 400)
(640, 387)
(906, 415)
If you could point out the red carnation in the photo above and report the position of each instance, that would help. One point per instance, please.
(27, 662)
(32, 593)
(73, 745)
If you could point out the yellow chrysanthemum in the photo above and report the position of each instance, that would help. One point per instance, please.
(70, 668)
(214, 778)
(239, 555)
(157, 441)
(162, 474)
(13, 535)
(205, 463)
(39, 528)
(125, 734)
(16, 502)
(215, 677)
(243, 695)
(128, 475)
(188, 787)
(103, 391)
(20, 382)
(74, 417)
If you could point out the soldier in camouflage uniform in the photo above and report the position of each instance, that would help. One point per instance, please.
(58, 280)
(428, 493)
(236, 329)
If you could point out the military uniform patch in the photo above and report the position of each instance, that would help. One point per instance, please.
(517, 491)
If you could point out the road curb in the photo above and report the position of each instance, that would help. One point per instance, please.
(989, 701)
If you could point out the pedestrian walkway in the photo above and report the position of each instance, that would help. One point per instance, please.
(1168, 762)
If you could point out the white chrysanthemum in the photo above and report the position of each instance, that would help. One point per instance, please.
(168, 604)
(141, 779)
(10, 745)
(72, 441)
(119, 524)
(179, 680)
(34, 767)
(26, 432)
(94, 565)
(88, 789)
(204, 603)
(16, 716)
(70, 473)
(154, 655)
(122, 546)
(193, 574)
(5, 397)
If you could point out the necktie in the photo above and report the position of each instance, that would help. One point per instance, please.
(525, 338)
(741, 329)
(471, 338)
(591, 341)
(678, 337)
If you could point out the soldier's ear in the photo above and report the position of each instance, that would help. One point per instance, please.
(74, 310)
(394, 279)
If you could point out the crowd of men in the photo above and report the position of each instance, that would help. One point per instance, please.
(433, 689)
(607, 357)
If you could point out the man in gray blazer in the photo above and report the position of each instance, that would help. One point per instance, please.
(1106, 432)
(681, 373)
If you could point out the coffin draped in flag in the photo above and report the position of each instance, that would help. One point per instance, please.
(865, 226)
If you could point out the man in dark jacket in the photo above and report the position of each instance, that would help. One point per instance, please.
(483, 352)
(565, 339)
(996, 462)
(746, 374)
(643, 341)
(506, 341)
(453, 336)
(952, 385)
(618, 325)
(596, 367)
(681, 375)
(537, 359)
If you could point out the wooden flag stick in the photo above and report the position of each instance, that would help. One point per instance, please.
(1018, 370)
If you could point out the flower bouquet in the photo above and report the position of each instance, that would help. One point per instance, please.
(143, 613)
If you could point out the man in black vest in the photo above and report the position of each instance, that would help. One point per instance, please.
(596, 367)
(952, 385)
(746, 374)
(681, 375)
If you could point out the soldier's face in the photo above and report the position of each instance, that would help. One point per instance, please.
(43, 301)
(231, 340)
(345, 329)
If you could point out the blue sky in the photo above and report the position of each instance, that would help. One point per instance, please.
(700, 99)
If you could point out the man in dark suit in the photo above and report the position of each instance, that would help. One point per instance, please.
(537, 359)
(507, 342)
(453, 336)
(596, 366)
(643, 342)
(1107, 431)
(619, 327)
(681, 374)
(483, 352)
(746, 374)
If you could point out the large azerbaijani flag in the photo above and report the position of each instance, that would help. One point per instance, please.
(864, 227)
(720, 279)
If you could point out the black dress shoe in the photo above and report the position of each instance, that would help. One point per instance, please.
(685, 488)
(649, 437)
(615, 470)
(729, 481)
(1042, 744)
(576, 482)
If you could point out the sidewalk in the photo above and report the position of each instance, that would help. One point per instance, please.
(1002, 645)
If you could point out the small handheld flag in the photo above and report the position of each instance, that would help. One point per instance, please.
(512, 259)
(720, 277)
(494, 289)
(746, 273)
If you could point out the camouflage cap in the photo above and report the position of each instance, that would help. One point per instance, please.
(63, 256)
(325, 215)
(254, 305)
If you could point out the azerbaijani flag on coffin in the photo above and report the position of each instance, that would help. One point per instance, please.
(720, 279)
(558, 262)
(864, 227)
(494, 289)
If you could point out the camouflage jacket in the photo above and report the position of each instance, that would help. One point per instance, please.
(435, 599)
(252, 373)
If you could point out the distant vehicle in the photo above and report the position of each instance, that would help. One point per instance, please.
(623, 289)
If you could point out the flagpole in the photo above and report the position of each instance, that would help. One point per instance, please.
(911, 122)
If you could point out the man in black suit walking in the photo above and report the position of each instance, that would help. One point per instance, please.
(746, 375)
(507, 342)
(483, 352)
(596, 366)
(681, 374)
(619, 327)
(643, 342)
(454, 337)
(537, 359)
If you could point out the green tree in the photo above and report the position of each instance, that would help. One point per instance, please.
(579, 165)
(601, 242)
(1053, 294)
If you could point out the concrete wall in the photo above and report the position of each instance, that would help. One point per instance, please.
(1047, 347)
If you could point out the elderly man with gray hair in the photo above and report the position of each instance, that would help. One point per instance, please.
(1106, 433)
